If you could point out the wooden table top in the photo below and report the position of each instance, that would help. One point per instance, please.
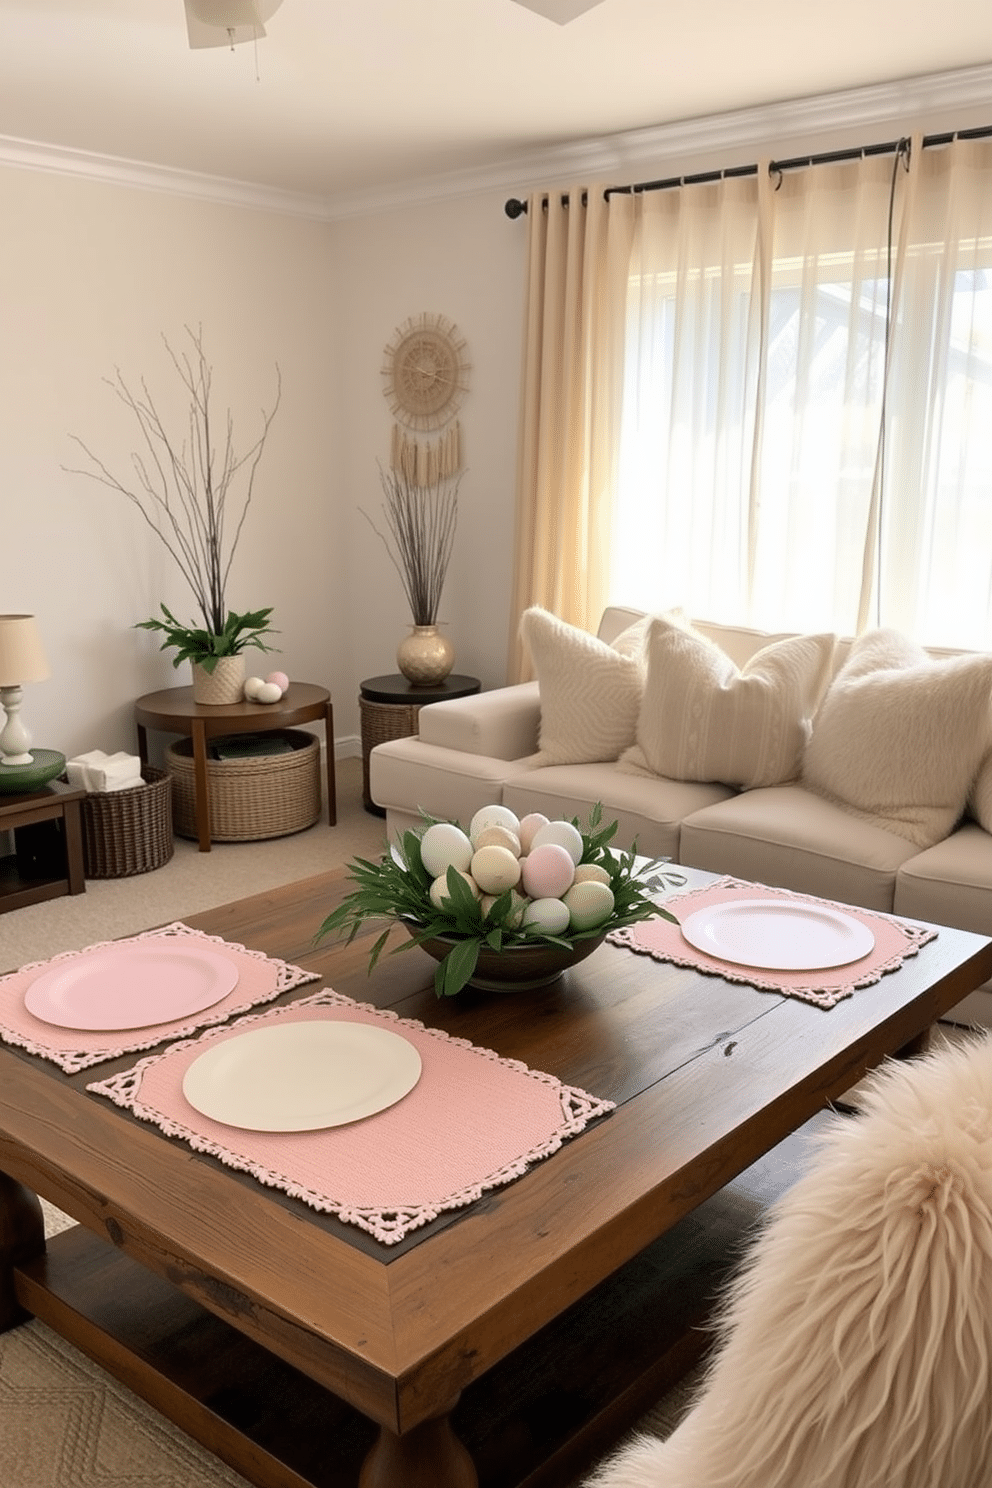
(172, 710)
(707, 1076)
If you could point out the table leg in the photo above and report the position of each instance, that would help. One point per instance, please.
(332, 797)
(201, 799)
(429, 1456)
(74, 868)
(22, 1235)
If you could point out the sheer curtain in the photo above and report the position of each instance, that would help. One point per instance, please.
(718, 429)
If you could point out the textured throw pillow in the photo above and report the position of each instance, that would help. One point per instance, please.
(980, 795)
(704, 718)
(899, 738)
(590, 692)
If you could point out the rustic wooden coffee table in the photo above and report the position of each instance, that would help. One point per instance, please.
(506, 1342)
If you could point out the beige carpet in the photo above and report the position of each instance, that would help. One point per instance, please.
(64, 1423)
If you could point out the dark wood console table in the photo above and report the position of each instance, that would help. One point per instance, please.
(173, 711)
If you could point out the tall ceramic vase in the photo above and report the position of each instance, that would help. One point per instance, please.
(426, 656)
(225, 684)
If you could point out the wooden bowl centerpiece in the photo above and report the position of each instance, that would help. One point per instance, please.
(508, 905)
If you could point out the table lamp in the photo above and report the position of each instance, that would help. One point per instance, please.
(22, 659)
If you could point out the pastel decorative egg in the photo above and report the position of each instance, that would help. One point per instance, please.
(548, 871)
(592, 873)
(492, 816)
(495, 869)
(280, 679)
(444, 844)
(251, 687)
(528, 826)
(551, 915)
(563, 834)
(518, 903)
(588, 903)
(268, 693)
(438, 892)
(497, 837)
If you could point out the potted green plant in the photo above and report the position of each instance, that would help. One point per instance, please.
(194, 492)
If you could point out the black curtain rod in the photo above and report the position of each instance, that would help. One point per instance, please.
(516, 208)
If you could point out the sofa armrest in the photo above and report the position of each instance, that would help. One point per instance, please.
(502, 724)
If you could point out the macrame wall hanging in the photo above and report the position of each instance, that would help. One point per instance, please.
(425, 376)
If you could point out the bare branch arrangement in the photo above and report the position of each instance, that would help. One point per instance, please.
(421, 522)
(183, 488)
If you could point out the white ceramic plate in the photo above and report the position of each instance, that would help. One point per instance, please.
(131, 986)
(302, 1076)
(777, 935)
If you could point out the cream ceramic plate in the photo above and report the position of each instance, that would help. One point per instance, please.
(131, 986)
(302, 1076)
(778, 935)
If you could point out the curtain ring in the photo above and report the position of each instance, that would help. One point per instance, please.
(778, 173)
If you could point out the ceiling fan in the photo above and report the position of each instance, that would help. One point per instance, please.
(211, 23)
(561, 11)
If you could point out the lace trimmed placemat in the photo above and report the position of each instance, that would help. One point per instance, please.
(894, 941)
(260, 979)
(473, 1122)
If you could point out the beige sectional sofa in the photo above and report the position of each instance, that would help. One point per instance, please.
(858, 771)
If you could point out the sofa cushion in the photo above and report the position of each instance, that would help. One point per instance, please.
(899, 737)
(590, 692)
(704, 718)
(950, 883)
(793, 839)
(649, 811)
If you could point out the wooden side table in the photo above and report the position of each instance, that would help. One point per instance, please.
(173, 711)
(390, 707)
(47, 860)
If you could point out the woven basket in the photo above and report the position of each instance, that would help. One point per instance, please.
(252, 798)
(128, 831)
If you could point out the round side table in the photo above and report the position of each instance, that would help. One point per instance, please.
(173, 711)
(390, 707)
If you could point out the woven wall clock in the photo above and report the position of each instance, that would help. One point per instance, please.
(425, 376)
(426, 372)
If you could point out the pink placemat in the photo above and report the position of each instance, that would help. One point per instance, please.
(894, 941)
(260, 979)
(473, 1122)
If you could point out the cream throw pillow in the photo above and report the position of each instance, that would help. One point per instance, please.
(590, 692)
(900, 737)
(980, 795)
(704, 718)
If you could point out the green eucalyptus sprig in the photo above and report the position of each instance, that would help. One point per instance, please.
(398, 888)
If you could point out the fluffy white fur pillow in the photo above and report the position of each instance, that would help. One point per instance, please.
(590, 692)
(856, 1346)
(704, 718)
(899, 738)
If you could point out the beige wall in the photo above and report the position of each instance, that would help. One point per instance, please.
(93, 273)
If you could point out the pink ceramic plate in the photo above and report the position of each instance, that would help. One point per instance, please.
(131, 986)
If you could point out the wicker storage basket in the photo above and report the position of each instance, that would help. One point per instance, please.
(252, 798)
(128, 831)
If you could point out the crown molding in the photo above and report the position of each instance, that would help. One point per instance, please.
(609, 156)
(117, 171)
(750, 130)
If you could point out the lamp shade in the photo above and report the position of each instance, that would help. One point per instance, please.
(22, 657)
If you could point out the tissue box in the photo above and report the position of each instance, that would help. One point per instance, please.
(97, 771)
